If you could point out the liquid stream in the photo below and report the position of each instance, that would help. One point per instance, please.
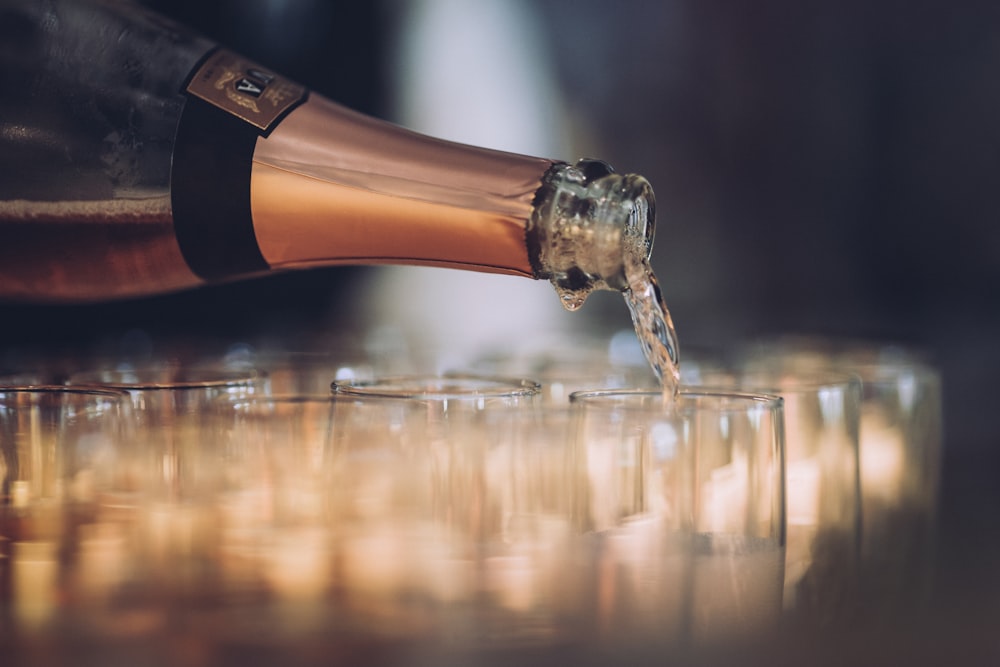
(653, 325)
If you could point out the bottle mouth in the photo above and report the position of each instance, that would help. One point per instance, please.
(640, 226)
(589, 225)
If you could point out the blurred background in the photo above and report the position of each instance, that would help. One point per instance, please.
(820, 168)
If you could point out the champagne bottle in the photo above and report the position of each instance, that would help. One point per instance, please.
(139, 158)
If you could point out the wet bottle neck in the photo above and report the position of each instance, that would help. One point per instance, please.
(588, 226)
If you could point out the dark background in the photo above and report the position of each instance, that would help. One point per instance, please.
(820, 168)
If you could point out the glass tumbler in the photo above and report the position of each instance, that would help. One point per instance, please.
(60, 450)
(270, 551)
(453, 510)
(177, 463)
(171, 404)
(822, 412)
(682, 500)
(901, 453)
(900, 450)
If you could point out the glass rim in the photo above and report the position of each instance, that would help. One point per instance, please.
(64, 389)
(444, 386)
(882, 372)
(186, 378)
(600, 397)
(858, 356)
(778, 382)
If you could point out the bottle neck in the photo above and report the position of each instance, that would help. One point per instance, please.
(332, 186)
(588, 226)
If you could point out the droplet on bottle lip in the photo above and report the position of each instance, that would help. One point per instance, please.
(572, 295)
(572, 300)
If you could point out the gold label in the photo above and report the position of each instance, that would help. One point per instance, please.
(245, 89)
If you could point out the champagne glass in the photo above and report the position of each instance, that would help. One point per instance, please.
(450, 420)
(822, 412)
(170, 405)
(177, 463)
(900, 453)
(273, 552)
(455, 492)
(59, 454)
(900, 476)
(683, 500)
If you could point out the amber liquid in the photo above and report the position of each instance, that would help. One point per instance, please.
(76, 251)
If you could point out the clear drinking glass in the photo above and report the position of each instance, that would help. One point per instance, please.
(901, 426)
(900, 452)
(177, 462)
(822, 412)
(59, 454)
(454, 506)
(170, 405)
(273, 554)
(683, 502)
